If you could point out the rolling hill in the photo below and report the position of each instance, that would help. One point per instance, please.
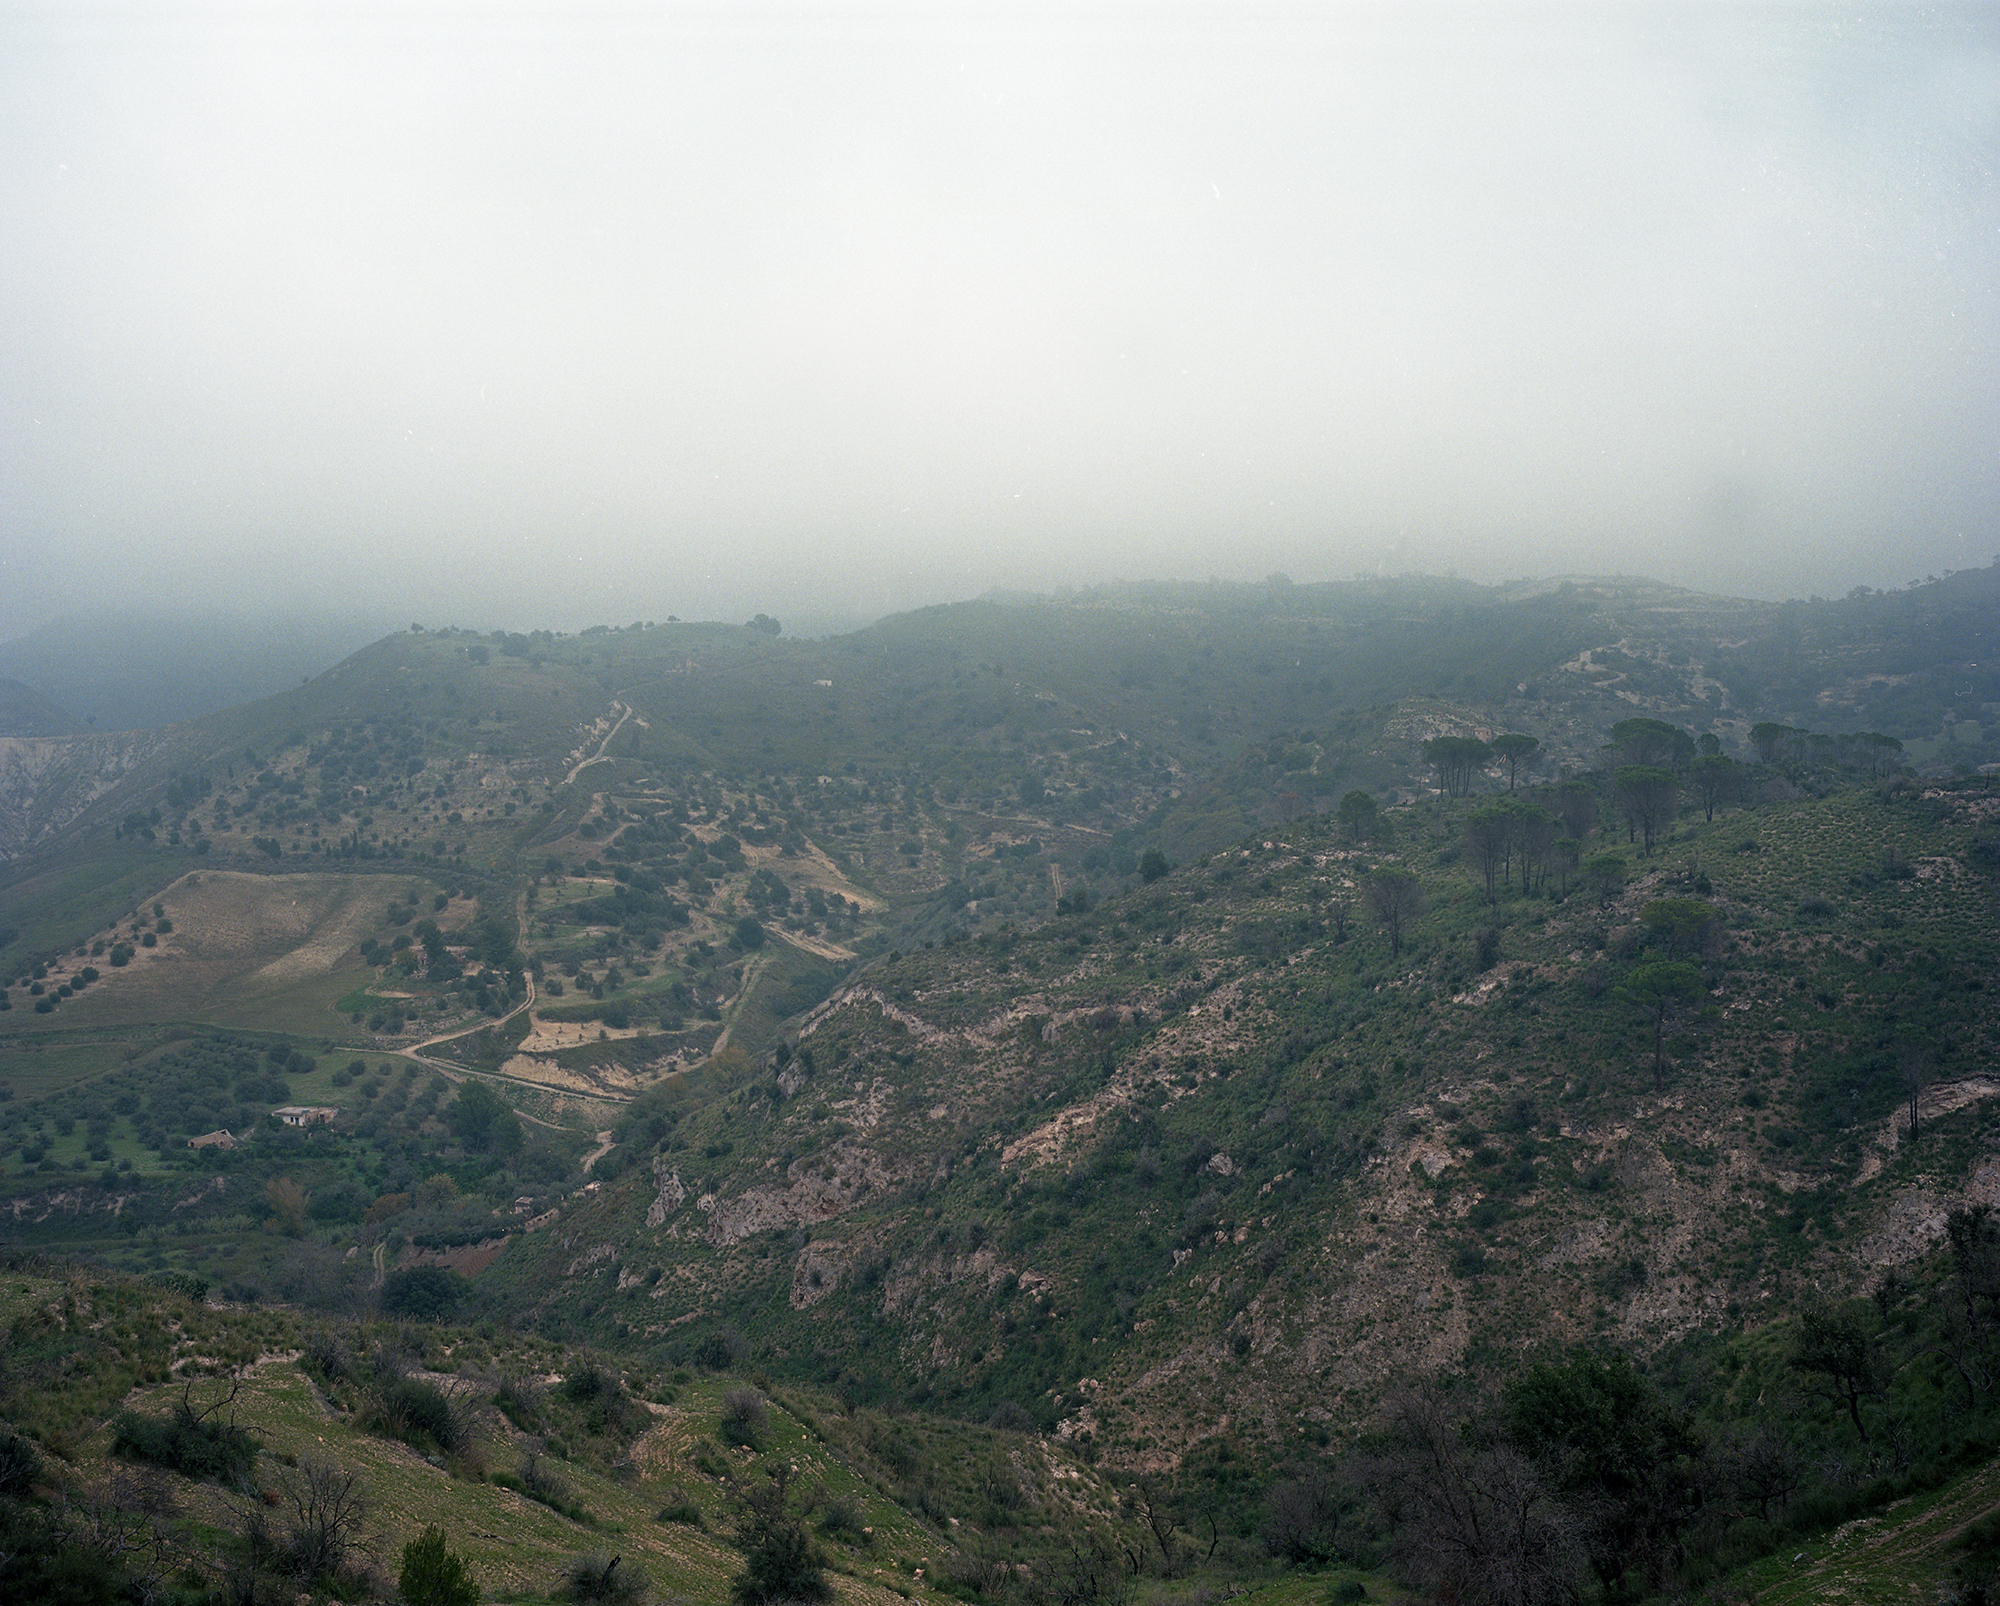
(1155, 1023)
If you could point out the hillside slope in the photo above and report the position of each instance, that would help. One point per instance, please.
(1200, 1161)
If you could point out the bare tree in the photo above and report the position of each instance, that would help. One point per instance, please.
(1395, 898)
(1489, 832)
(1302, 1517)
(1474, 1522)
(1088, 1573)
(1148, 1501)
(328, 1508)
(129, 1524)
(1762, 1464)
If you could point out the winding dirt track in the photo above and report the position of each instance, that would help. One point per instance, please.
(598, 756)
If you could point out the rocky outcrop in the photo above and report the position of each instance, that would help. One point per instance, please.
(821, 1188)
(671, 1195)
(46, 782)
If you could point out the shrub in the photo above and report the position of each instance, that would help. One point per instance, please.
(184, 1283)
(1010, 1417)
(594, 1576)
(1978, 1570)
(433, 1576)
(722, 1349)
(422, 1293)
(539, 1482)
(520, 1401)
(588, 1382)
(326, 1357)
(194, 1444)
(421, 1413)
(780, 1562)
(683, 1511)
(842, 1518)
(329, 1507)
(745, 1419)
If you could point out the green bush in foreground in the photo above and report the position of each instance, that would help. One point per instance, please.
(780, 1561)
(433, 1576)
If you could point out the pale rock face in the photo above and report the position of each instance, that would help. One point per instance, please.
(671, 1195)
(817, 1272)
(46, 782)
(847, 1175)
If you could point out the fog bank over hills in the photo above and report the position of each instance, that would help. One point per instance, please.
(844, 310)
(129, 669)
(113, 670)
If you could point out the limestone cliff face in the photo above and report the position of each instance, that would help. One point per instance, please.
(46, 782)
(671, 1195)
(818, 1190)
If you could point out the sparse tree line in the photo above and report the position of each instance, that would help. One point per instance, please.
(1649, 766)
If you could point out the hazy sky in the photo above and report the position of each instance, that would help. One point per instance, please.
(539, 313)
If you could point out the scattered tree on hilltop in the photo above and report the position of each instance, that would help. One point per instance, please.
(1662, 991)
(1651, 743)
(1769, 739)
(1716, 781)
(1534, 838)
(1605, 874)
(1576, 802)
(1688, 927)
(1357, 815)
(1488, 833)
(1457, 759)
(483, 1121)
(1647, 797)
(1518, 753)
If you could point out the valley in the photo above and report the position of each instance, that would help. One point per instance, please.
(1169, 1047)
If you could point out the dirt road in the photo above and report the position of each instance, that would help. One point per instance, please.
(625, 713)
